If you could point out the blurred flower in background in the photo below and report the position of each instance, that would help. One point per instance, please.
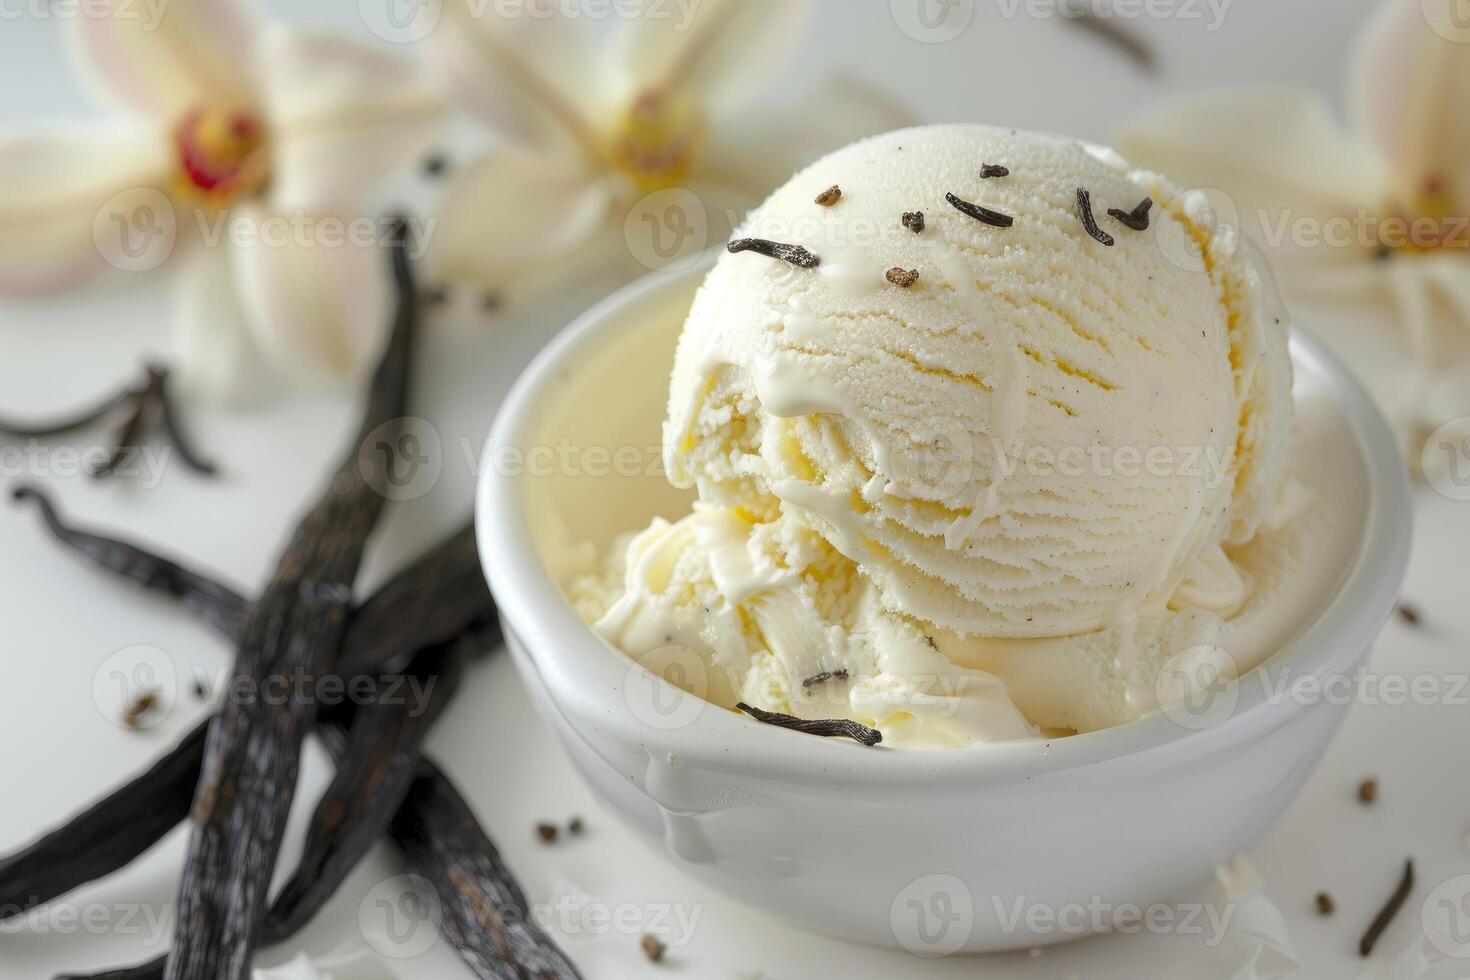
(243, 145)
(603, 134)
(1367, 224)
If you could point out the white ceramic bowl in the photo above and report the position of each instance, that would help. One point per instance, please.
(928, 850)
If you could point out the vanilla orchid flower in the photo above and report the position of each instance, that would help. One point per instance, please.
(646, 124)
(238, 154)
(1367, 224)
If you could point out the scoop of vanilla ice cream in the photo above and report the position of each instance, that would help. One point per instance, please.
(732, 609)
(1043, 435)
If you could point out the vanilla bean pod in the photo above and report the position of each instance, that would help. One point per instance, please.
(125, 444)
(374, 774)
(476, 902)
(114, 831)
(152, 397)
(172, 428)
(218, 606)
(433, 801)
(385, 632)
(70, 424)
(377, 640)
(108, 836)
(252, 757)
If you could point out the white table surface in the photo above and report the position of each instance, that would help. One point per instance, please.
(62, 626)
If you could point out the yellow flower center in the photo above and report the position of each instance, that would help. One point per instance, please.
(1431, 221)
(223, 154)
(656, 141)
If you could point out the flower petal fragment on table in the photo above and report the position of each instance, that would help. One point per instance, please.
(160, 60)
(70, 191)
(514, 210)
(344, 117)
(1256, 934)
(312, 290)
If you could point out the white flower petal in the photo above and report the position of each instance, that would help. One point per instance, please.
(513, 211)
(162, 58)
(1410, 96)
(65, 188)
(214, 355)
(315, 290)
(1256, 937)
(529, 76)
(713, 52)
(343, 117)
(1273, 153)
(759, 148)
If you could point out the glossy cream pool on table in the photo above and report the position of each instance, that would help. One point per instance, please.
(843, 838)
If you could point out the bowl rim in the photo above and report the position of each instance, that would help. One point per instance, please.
(584, 675)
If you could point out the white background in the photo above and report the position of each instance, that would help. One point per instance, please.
(61, 625)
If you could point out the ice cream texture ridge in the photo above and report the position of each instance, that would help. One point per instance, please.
(996, 495)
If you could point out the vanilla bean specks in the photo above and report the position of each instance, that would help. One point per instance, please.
(902, 278)
(1084, 210)
(826, 728)
(1137, 219)
(989, 217)
(994, 170)
(825, 676)
(914, 221)
(792, 254)
(1385, 917)
(830, 196)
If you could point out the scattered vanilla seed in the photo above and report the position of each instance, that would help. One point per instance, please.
(576, 826)
(1410, 614)
(993, 170)
(140, 706)
(903, 277)
(1325, 905)
(546, 831)
(653, 948)
(1368, 790)
(830, 196)
(914, 221)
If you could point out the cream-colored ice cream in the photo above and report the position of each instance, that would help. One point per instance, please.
(1044, 445)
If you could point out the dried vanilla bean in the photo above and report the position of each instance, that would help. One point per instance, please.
(252, 757)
